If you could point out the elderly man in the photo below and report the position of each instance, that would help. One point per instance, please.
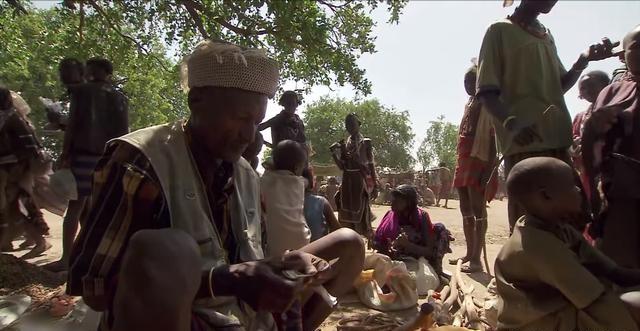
(172, 239)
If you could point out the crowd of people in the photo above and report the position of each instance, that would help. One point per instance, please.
(179, 231)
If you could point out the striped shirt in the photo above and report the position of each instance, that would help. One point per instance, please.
(127, 197)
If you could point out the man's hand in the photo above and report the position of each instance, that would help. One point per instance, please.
(523, 135)
(600, 51)
(258, 284)
(262, 285)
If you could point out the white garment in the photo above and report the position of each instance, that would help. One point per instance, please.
(283, 194)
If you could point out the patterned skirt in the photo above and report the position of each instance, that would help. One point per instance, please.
(473, 172)
(82, 167)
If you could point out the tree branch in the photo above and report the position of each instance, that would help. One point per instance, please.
(195, 16)
(17, 7)
(117, 30)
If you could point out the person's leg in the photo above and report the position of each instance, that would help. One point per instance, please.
(158, 281)
(35, 229)
(479, 208)
(69, 231)
(468, 221)
(346, 246)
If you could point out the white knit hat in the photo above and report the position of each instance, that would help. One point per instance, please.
(227, 65)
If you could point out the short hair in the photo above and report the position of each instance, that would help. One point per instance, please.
(288, 155)
(71, 63)
(101, 63)
(532, 174)
(352, 116)
(288, 94)
(598, 75)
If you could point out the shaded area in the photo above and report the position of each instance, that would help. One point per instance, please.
(20, 277)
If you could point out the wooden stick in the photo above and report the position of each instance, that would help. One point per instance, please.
(445, 292)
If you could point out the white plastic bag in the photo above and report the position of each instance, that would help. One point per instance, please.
(394, 274)
(426, 277)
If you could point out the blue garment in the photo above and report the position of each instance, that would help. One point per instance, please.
(314, 215)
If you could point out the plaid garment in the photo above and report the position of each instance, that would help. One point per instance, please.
(127, 197)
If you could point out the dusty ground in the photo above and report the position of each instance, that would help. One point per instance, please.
(497, 234)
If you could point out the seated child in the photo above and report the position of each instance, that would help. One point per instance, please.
(283, 189)
(318, 213)
(548, 277)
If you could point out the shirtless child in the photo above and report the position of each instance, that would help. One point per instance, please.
(548, 276)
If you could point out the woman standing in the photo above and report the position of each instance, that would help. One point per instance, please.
(476, 157)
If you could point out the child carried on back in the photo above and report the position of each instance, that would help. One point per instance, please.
(283, 190)
(548, 276)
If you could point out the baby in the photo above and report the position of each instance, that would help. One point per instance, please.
(548, 276)
(283, 193)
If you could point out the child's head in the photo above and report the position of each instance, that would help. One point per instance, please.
(631, 44)
(290, 155)
(470, 81)
(592, 83)
(545, 187)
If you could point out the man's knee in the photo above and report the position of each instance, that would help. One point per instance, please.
(350, 241)
(162, 257)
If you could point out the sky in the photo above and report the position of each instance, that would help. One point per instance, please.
(420, 62)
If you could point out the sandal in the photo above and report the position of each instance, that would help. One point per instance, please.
(455, 261)
(469, 269)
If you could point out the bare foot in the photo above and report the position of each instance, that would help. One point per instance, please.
(57, 266)
(40, 248)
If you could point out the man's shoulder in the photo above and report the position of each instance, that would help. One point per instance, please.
(500, 25)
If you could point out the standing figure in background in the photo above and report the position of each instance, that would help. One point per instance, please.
(590, 85)
(359, 179)
(442, 183)
(611, 151)
(330, 190)
(19, 153)
(98, 113)
(521, 83)
(287, 125)
(476, 157)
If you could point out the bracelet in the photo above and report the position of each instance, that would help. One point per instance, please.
(507, 120)
(210, 282)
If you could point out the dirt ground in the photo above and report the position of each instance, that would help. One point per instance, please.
(497, 233)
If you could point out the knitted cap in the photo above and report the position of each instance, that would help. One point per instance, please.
(227, 65)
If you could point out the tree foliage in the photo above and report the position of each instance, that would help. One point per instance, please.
(317, 42)
(33, 44)
(439, 144)
(390, 130)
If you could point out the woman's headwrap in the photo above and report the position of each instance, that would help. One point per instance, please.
(226, 65)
